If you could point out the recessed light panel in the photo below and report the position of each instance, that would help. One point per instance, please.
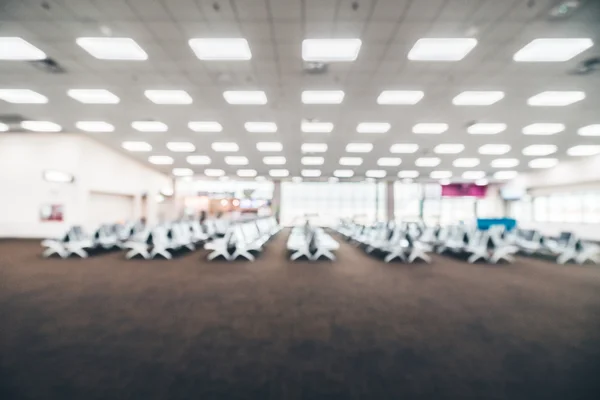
(590, 130)
(430, 128)
(236, 160)
(41, 126)
(312, 160)
(584, 150)
(198, 160)
(160, 160)
(482, 182)
(94, 126)
(408, 174)
(440, 175)
(316, 127)
(466, 162)
(181, 147)
(111, 48)
(505, 175)
(552, 50)
(57, 176)
(149, 126)
(448, 148)
(314, 147)
(182, 172)
(404, 148)
(269, 146)
(543, 163)
(93, 96)
(486, 128)
(279, 173)
(343, 173)
(376, 173)
(427, 162)
(168, 96)
(311, 173)
(261, 127)
(137, 146)
(225, 147)
(250, 97)
(214, 173)
(373, 127)
(230, 49)
(274, 160)
(359, 147)
(473, 175)
(494, 149)
(322, 96)
(478, 98)
(441, 49)
(504, 163)
(205, 126)
(3, 127)
(246, 173)
(351, 161)
(17, 49)
(330, 50)
(555, 98)
(389, 161)
(540, 150)
(22, 96)
(400, 97)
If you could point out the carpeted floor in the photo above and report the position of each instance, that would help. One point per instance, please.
(106, 328)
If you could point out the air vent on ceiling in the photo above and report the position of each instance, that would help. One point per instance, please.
(587, 66)
(48, 65)
(565, 9)
(11, 118)
(13, 121)
(315, 68)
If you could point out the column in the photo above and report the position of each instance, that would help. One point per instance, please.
(390, 201)
(276, 200)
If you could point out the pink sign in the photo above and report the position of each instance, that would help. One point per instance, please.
(463, 190)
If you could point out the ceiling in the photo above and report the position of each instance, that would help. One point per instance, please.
(275, 30)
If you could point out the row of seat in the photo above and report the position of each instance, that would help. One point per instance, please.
(167, 239)
(393, 241)
(567, 247)
(475, 245)
(76, 242)
(243, 239)
(311, 243)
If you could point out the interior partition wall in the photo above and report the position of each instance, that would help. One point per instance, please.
(325, 203)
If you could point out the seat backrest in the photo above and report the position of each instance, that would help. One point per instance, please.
(231, 236)
(209, 226)
(565, 239)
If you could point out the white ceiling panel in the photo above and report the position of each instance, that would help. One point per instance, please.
(275, 30)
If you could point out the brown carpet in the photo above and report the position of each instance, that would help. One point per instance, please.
(107, 328)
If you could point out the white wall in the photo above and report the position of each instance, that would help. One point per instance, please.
(570, 176)
(24, 157)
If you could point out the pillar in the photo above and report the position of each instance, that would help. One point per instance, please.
(390, 201)
(276, 200)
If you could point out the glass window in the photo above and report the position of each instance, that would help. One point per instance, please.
(407, 201)
(555, 208)
(325, 203)
(540, 209)
(591, 207)
(572, 206)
